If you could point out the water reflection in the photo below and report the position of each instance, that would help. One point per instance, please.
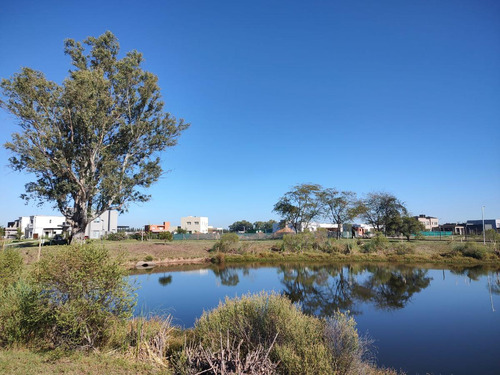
(323, 290)
(165, 280)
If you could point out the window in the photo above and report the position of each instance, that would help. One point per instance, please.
(188, 223)
(196, 223)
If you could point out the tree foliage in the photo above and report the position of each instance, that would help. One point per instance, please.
(410, 226)
(264, 226)
(241, 226)
(92, 142)
(300, 205)
(383, 211)
(339, 207)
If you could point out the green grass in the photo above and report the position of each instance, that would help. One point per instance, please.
(22, 361)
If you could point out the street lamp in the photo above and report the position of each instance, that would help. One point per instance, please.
(484, 233)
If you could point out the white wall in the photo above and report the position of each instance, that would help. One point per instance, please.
(195, 224)
(102, 225)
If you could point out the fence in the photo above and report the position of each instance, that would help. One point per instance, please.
(437, 234)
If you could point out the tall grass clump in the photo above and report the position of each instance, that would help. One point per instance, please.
(270, 321)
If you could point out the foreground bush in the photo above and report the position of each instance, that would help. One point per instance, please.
(11, 264)
(296, 343)
(76, 297)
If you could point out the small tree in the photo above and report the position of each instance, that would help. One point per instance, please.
(166, 236)
(410, 226)
(299, 206)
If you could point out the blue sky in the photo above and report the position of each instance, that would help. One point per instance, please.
(396, 96)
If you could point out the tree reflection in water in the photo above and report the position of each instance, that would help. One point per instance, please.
(323, 290)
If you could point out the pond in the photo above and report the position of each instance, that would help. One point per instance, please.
(423, 320)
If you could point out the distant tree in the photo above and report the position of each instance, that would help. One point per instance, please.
(264, 226)
(166, 236)
(339, 207)
(383, 211)
(19, 234)
(241, 226)
(93, 142)
(181, 231)
(409, 226)
(300, 205)
(2, 232)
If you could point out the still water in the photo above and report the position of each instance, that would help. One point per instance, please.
(422, 320)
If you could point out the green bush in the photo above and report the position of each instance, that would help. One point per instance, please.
(404, 248)
(377, 243)
(298, 242)
(118, 236)
(22, 314)
(11, 265)
(84, 293)
(271, 321)
(471, 250)
(228, 243)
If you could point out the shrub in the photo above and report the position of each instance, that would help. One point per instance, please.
(22, 316)
(148, 258)
(228, 243)
(404, 248)
(270, 321)
(298, 242)
(11, 265)
(85, 294)
(350, 352)
(470, 250)
(377, 243)
(118, 236)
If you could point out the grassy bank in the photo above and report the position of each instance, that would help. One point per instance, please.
(299, 249)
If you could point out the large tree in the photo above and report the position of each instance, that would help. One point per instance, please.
(383, 211)
(339, 207)
(299, 206)
(92, 142)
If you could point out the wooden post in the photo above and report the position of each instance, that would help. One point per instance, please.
(39, 249)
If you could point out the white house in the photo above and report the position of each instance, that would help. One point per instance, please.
(36, 226)
(103, 225)
(313, 227)
(430, 223)
(45, 226)
(195, 224)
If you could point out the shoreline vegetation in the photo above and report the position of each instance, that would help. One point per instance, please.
(71, 312)
(302, 247)
(66, 309)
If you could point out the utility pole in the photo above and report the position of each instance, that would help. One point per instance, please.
(484, 233)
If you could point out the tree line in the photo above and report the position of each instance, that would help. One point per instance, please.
(305, 203)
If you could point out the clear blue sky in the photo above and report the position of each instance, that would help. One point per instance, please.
(398, 96)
